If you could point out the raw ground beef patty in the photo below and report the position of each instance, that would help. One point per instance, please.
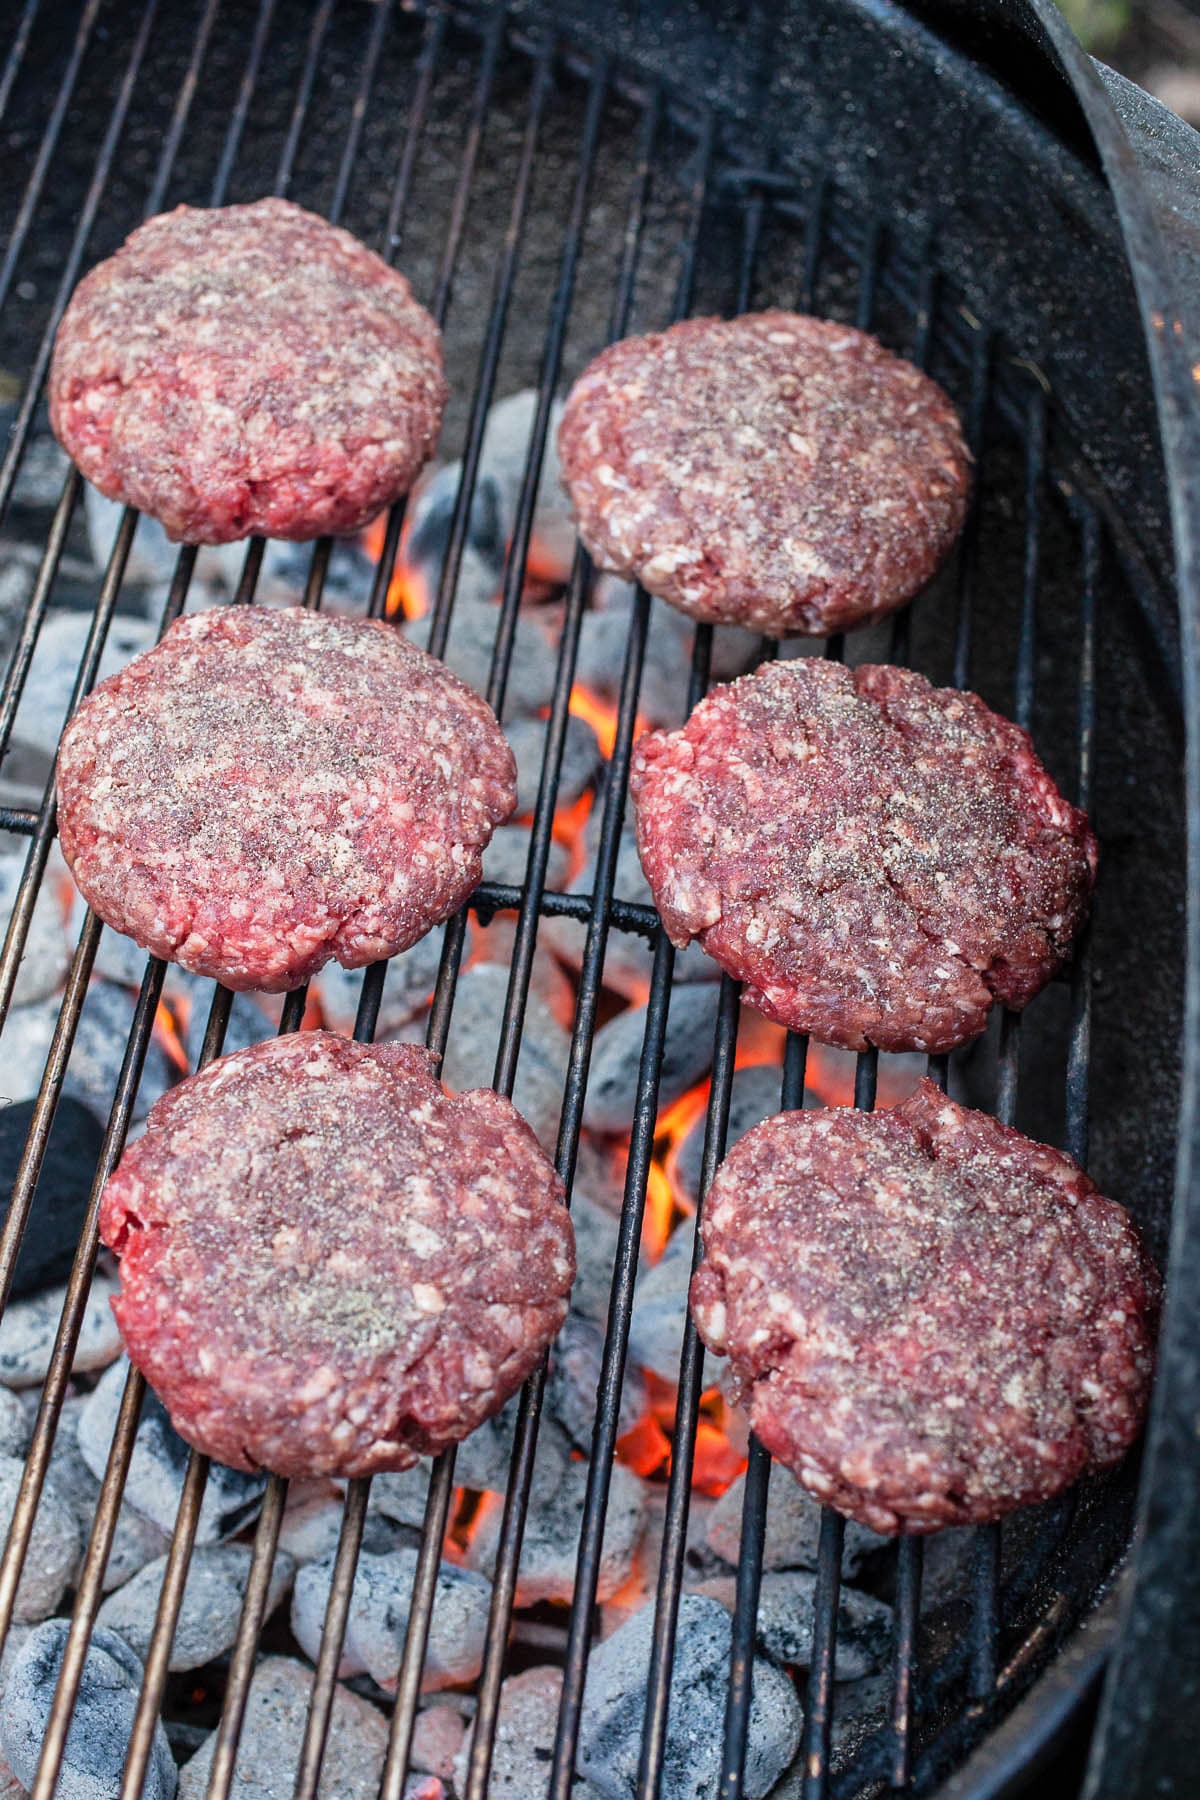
(773, 471)
(329, 1265)
(247, 369)
(931, 1319)
(263, 791)
(877, 859)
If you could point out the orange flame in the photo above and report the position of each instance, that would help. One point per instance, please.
(169, 1033)
(600, 714)
(659, 1216)
(408, 589)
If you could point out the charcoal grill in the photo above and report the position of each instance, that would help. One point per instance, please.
(961, 180)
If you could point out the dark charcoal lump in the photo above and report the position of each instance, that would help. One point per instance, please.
(595, 1252)
(470, 1058)
(378, 1619)
(98, 1741)
(212, 1603)
(474, 623)
(785, 1622)
(61, 1196)
(615, 1700)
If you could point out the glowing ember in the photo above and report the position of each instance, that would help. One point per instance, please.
(408, 593)
(645, 1448)
(600, 715)
(169, 1031)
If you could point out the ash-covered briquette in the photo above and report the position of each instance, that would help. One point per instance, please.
(377, 1623)
(207, 1622)
(329, 1265)
(55, 1544)
(97, 1744)
(272, 1737)
(877, 859)
(265, 791)
(772, 470)
(614, 1707)
(247, 369)
(550, 1547)
(158, 1466)
(931, 1319)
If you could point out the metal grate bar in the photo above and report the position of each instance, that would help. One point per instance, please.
(316, 1729)
(308, 76)
(379, 24)
(687, 1413)
(154, 1680)
(48, 145)
(645, 1105)
(70, 274)
(31, 624)
(16, 53)
(1079, 1052)
(490, 358)
(868, 275)
(986, 1553)
(431, 46)
(814, 237)
(909, 1563)
(968, 551)
(88, 1598)
(241, 105)
(39, 850)
(181, 110)
(435, 32)
(241, 1661)
(691, 1372)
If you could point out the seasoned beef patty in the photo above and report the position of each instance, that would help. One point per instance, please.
(877, 859)
(774, 471)
(247, 369)
(931, 1318)
(329, 1265)
(263, 791)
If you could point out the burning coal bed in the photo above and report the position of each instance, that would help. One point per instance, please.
(379, 1609)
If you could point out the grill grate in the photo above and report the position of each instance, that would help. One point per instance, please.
(701, 219)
